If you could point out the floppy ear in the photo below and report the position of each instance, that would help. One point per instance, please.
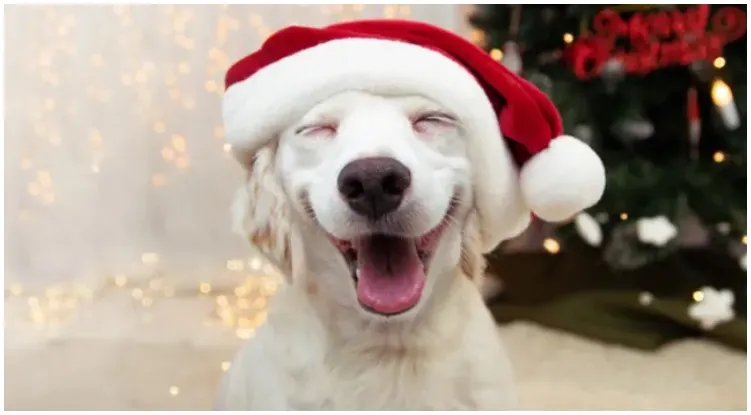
(260, 211)
(472, 259)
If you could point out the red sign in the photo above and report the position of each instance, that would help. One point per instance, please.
(656, 40)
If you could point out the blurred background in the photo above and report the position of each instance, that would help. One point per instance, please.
(126, 290)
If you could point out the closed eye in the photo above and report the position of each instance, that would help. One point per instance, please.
(424, 121)
(320, 130)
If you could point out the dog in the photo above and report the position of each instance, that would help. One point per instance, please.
(384, 158)
(382, 310)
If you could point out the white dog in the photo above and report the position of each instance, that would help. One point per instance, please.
(384, 314)
(377, 179)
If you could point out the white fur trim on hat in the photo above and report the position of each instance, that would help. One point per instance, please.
(258, 108)
(562, 180)
(282, 92)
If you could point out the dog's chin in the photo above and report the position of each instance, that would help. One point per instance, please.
(389, 272)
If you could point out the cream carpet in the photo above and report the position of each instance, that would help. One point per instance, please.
(115, 357)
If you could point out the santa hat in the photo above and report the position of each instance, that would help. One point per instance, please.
(521, 162)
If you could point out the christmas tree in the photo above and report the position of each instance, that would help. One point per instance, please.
(660, 93)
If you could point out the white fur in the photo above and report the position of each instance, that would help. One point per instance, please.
(318, 348)
(267, 225)
(563, 179)
(373, 126)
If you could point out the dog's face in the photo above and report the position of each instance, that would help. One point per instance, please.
(385, 181)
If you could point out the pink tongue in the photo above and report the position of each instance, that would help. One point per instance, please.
(391, 275)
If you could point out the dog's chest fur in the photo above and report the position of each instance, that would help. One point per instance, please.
(393, 379)
(293, 365)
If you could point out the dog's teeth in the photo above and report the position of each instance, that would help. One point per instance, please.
(357, 273)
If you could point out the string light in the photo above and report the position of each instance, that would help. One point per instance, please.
(477, 37)
(551, 245)
(241, 291)
(646, 298)
(568, 38)
(211, 86)
(722, 97)
(178, 142)
(16, 289)
(245, 333)
(204, 288)
(698, 296)
(149, 258)
(121, 280)
(496, 54)
(623, 216)
(241, 308)
(719, 157)
(235, 264)
(168, 154)
(255, 264)
(744, 239)
(174, 390)
(719, 62)
(225, 366)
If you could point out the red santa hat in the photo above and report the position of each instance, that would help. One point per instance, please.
(521, 162)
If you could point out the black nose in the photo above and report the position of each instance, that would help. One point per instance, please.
(374, 186)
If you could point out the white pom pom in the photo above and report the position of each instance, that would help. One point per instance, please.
(562, 180)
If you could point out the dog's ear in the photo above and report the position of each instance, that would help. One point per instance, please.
(472, 259)
(260, 211)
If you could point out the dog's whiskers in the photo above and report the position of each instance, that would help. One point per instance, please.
(307, 207)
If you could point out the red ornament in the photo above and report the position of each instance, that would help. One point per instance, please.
(657, 40)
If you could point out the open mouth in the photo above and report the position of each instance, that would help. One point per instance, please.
(390, 271)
